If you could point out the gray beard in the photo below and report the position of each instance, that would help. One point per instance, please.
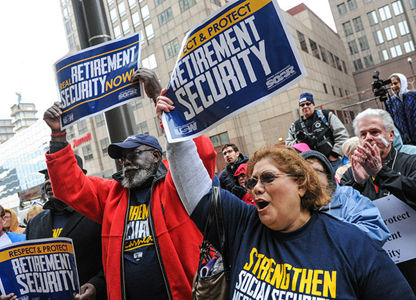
(141, 176)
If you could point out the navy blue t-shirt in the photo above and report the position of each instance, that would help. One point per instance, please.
(324, 259)
(59, 220)
(142, 272)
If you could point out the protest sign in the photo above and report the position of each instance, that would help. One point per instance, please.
(239, 57)
(400, 219)
(98, 78)
(39, 269)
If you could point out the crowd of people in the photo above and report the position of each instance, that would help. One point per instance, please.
(299, 221)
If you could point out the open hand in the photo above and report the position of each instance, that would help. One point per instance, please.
(370, 158)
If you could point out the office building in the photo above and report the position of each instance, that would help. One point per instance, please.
(6, 129)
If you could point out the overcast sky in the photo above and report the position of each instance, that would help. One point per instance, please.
(33, 39)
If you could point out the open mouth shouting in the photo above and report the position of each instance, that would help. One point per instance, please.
(261, 204)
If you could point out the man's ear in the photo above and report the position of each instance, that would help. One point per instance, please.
(157, 155)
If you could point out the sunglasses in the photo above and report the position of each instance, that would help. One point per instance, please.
(307, 104)
(265, 177)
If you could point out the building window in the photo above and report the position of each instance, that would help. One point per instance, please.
(171, 49)
(409, 46)
(352, 4)
(378, 37)
(396, 51)
(385, 13)
(403, 27)
(302, 42)
(186, 4)
(117, 32)
(340, 92)
(372, 17)
(87, 152)
(145, 12)
(358, 24)
(99, 120)
(136, 19)
(368, 61)
(397, 8)
(132, 3)
(390, 32)
(68, 28)
(323, 53)
(104, 145)
(353, 47)
(218, 2)
(384, 55)
(333, 90)
(113, 15)
(363, 43)
(342, 8)
(325, 88)
(358, 65)
(412, 4)
(82, 127)
(110, 2)
(70, 134)
(338, 62)
(365, 2)
(136, 104)
(314, 48)
(142, 128)
(157, 2)
(220, 139)
(347, 28)
(126, 26)
(332, 59)
(165, 16)
(149, 62)
(121, 9)
(344, 66)
(149, 31)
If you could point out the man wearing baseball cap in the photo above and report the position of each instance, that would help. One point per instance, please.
(321, 130)
(150, 245)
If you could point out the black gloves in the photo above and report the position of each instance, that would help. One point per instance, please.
(305, 138)
(239, 191)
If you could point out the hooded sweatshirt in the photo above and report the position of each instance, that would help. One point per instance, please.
(402, 108)
(348, 205)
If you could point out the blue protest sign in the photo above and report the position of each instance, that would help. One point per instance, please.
(98, 78)
(239, 57)
(39, 269)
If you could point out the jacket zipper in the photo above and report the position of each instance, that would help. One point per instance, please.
(123, 288)
(162, 269)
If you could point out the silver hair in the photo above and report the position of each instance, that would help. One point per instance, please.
(372, 112)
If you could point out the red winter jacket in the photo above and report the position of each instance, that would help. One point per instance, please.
(105, 201)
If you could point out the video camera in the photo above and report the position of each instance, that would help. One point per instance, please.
(378, 87)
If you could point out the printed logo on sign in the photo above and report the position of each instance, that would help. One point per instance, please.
(68, 118)
(127, 94)
(274, 80)
(187, 128)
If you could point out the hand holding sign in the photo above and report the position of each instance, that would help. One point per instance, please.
(163, 104)
(52, 117)
(151, 83)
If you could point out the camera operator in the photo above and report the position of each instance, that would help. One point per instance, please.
(320, 129)
(402, 108)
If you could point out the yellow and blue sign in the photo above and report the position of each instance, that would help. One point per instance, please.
(98, 78)
(39, 269)
(239, 57)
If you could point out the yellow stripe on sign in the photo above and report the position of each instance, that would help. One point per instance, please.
(95, 56)
(36, 250)
(223, 22)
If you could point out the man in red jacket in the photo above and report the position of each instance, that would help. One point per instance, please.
(150, 245)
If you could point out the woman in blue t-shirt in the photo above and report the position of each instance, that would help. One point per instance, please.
(283, 248)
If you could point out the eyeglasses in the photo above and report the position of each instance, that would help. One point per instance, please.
(265, 177)
(132, 155)
(307, 104)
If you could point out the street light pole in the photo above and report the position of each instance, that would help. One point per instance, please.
(92, 30)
